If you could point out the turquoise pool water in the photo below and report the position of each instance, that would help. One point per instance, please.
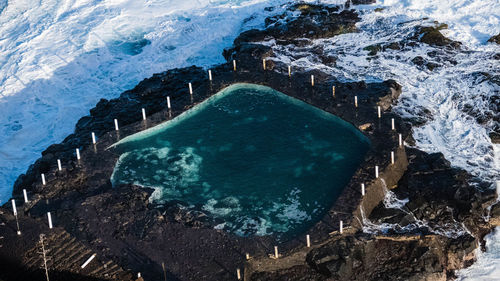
(261, 161)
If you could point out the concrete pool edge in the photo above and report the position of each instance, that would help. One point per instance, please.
(97, 162)
(308, 113)
(80, 194)
(199, 106)
(350, 207)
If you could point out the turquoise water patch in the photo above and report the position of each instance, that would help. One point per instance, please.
(261, 161)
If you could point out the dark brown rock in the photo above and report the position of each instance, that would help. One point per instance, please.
(122, 225)
(432, 36)
(495, 39)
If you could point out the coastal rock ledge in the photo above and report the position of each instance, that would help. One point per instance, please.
(420, 219)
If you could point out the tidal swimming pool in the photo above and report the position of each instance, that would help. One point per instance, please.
(261, 161)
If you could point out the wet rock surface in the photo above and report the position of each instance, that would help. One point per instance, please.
(495, 39)
(429, 237)
(122, 225)
(439, 198)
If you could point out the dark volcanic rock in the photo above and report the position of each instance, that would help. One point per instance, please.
(121, 225)
(420, 61)
(431, 35)
(314, 21)
(373, 49)
(295, 273)
(389, 258)
(495, 137)
(495, 39)
(440, 196)
(362, 2)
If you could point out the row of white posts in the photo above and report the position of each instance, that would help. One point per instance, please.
(14, 211)
(190, 87)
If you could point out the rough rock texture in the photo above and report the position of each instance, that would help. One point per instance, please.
(440, 196)
(495, 39)
(425, 240)
(386, 258)
(129, 232)
(495, 214)
(495, 137)
(431, 35)
(290, 28)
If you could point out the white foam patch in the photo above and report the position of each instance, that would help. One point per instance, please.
(274, 218)
(444, 92)
(472, 22)
(291, 212)
(256, 226)
(170, 182)
(227, 206)
(391, 201)
(486, 267)
(453, 229)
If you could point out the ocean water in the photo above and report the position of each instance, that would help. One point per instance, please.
(440, 97)
(261, 161)
(448, 99)
(59, 57)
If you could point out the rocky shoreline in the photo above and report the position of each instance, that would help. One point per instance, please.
(130, 234)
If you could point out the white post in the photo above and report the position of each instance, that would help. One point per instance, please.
(25, 196)
(49, 217)
(379, 112)
(139, 275)
(376, 172)
(144, 114)
(210, 75)
(312, 80)
(400, 140)
(116, 125)
(14, 208)
(59, 166)
(362, 189)
(168, 103)
(190, 88)
(43, 179)
(247, 255)
(393, 125)
(276, 252)
(93, 138)
(77, 154)
(341, 228)
(234, 65)
(238, 273)
(308, 241)
(356, 101)
(392, 157)
(264, 64)
(87, 261)
(289, 71)
(333, 91)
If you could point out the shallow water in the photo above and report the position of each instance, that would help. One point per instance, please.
(258, 159)
(58, 58)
